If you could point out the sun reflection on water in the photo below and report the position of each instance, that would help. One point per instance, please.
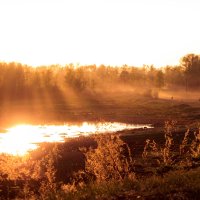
(21, 139)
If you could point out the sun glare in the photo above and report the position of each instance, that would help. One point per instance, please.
(98, 32)
(21, 139)
(18, 140)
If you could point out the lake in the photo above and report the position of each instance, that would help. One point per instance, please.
(21, 139)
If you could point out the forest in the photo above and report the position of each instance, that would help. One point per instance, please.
(20, 82)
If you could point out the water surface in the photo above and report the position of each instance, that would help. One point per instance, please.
(20, 139)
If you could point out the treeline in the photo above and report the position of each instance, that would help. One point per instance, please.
(19, 81)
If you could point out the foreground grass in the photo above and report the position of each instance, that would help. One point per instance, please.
(174, 185)
(110, 170)
(167, 174)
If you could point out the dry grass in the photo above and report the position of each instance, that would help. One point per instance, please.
(110, 171)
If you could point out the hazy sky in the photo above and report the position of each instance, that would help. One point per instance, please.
(115, 32)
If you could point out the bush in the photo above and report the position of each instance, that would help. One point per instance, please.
(111, 159)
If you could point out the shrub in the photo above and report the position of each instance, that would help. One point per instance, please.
(111, 159)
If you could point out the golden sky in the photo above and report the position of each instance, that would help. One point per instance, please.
(116, 32)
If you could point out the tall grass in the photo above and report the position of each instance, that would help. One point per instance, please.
(111, 159)
(110, 171)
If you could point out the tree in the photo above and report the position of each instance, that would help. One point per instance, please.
(124, 76)
(191, 64)
(159, 80)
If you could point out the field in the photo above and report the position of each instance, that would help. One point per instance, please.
(71, 170)
(128, 107)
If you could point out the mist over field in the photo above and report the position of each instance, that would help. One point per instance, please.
(21, 82)
(45, 90)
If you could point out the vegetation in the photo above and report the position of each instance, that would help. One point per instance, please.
(19, 81)
(168, 170)
(56, 93)
(139, 164)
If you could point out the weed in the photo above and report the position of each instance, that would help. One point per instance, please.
(111, 159)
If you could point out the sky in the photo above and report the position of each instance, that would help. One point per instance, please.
(110, 32)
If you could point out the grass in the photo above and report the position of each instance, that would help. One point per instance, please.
(174, 185)
(170, 180)
(110, 170)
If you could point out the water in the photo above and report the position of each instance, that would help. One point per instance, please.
(21, 139)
